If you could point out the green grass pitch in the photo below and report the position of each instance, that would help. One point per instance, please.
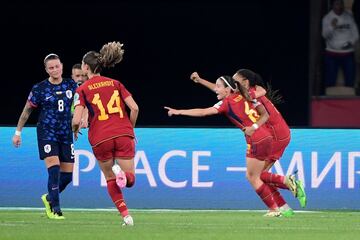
(184, 225)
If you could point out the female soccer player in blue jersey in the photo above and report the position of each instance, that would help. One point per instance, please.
(53, 97)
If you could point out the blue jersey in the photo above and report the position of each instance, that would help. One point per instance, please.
(54, 103)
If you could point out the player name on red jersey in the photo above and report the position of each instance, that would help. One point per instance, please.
(100, 85)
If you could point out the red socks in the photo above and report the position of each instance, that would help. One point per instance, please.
(117, 197)
(279, 200)
(130, 179)
(266, 195)
(116, 194)
(273, 179)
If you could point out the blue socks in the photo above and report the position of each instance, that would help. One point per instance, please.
(53, 187)
(65, 179)
(57, 182)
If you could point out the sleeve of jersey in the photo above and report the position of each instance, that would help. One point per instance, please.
(79, 98)
(123, 91)
(34, 97)
(221, 107)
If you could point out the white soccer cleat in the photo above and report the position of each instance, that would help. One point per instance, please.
(128, 221)
(273, 213)
(120, 176)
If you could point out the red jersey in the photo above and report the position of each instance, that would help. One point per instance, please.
(104, 98)
(276, 121)
(242, 114)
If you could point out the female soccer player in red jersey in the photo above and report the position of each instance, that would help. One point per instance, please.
(111, 131)
(241, 112)
(281, 132)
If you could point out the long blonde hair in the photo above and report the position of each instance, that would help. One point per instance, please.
(109, 55)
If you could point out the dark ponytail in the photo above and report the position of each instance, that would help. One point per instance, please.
(256, 80)
(273, 95)
(243, 91)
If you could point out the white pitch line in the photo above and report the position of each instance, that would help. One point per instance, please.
(144, 210)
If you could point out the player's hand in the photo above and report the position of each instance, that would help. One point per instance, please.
(249, 130)
(195, 77)
(16, 140)
(76, 132)
(172, 111)
(76, 135)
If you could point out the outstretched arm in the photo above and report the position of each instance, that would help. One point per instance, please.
(21, 123)
(195, 112)
(197, 79)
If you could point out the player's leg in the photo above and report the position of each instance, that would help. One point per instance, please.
(260, 150)
(291, 183)
(67, 157)
(113, 189)
(66, 172)
(124, 155)
(49, 152)
(280, 181)
(45, 149)
(284, 182)
(125, 177)
(104, 154)
(284, 208)
(53, 166)
(254, 169)
(287, 182)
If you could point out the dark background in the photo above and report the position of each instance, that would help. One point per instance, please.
(165, 41)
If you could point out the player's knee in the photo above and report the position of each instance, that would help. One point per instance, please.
(250, 176)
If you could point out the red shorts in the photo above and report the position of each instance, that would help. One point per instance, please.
(278, 148)
(281, 133)
(261, 149)
(119, 147)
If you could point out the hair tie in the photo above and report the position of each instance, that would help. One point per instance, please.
(228, 84)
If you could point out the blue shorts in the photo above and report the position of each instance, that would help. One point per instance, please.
(65, 152)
